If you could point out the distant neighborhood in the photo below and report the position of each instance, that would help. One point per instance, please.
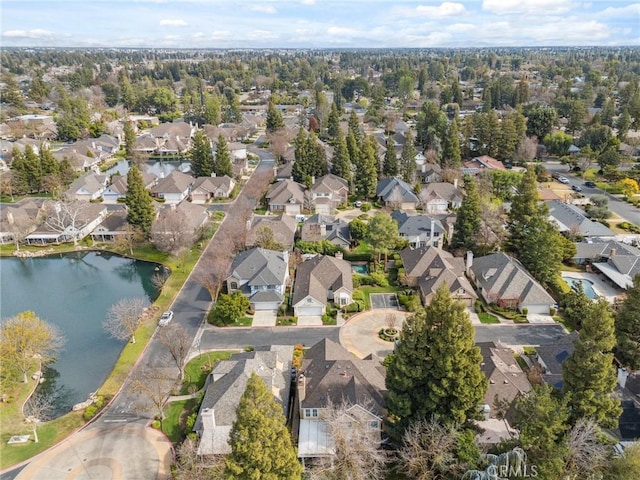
(406, 206)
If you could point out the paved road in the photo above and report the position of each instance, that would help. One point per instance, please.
(220, 338)
(526, 334)
(620, 208)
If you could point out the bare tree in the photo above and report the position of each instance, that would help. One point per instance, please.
(213, 270)
(129, 239)
(178, 342)
(584, 163)
(391, 320)
(265, 239)
(429, 451)
(37, 410)
(586, 454)
(155, 385)
(191, 466)
(526, 150)
(67, 217)
(423, 198)
(358, 455)
(171, 232)
(124, 317)
(394, 200)
(278, 142)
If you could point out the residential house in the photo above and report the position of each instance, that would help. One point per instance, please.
(572, 219)
(118, 187)
(205, 189)
(179, 222)
(283, 227)
(173, 188)
(230, 131)
(227, 382)
(478, 164)
(503, 280)
(285, 172)
(507, 382)
(172, 138)
(419, 230)
(113, 226)
(617, 261)
(80, 162)
(331, 375)
(145, 143)
(326, 227)
(506, 379)
(67, 222)
(396, 193)
(286, 197)
(17, 220)
(261, 275)
(89, 186)
(550, 358)
(429, 173)
(328, 192)
(427, 268)
(319, 280)
(439, 197)
(102, 148)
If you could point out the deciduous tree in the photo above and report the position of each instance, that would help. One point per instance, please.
(25, 338)
(260, 442)
(124, 317)
(382, 233)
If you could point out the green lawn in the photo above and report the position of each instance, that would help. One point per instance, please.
(176, 413)
(488, 318)
(565, 322)
(286, 321)
(198, 368)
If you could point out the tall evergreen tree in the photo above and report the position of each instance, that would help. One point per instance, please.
(435, 370)
(628, 327)
(333, 123)
(48, 163)
(354, 126)
(260, 443)
(211, 111)
(340, 164)
(589, 374)
(139, 203)
(31, 170)
(366, 169)
(222, 164)
(274, 118)
(524, 207)
(19, 178)
(408, 159)
(129, 138)
(468, 218)
(201, 156)
(390, 162)
(541, 252)
(451, 156)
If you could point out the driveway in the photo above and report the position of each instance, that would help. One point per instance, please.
(309, 320)
(264, 318)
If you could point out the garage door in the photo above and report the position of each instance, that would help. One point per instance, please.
(266, 305)
(540, 309)
(300, 311)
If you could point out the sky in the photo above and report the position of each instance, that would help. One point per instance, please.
(318, 23)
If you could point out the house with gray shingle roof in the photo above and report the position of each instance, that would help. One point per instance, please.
(331, 375)
(572, 219)
(503, 280)
(326, 227)
(419, 230)
(439, 197)
(173, 188)
(429, 267)
(225, 386)
(328, 192)
(118, 187)
(617, 261)
(319, 280)
(89, 186)
(396, 193)
(113, 226)
(208, 188)
(19, 219)
(286, 197)
(550, 357)
(283, 227)
(261, 275)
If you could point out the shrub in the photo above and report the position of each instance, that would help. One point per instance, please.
(191, 421)
(156, 424)
(365, 207)
(525, 310)
(249, 348)
(552, 311)
(90, 412)
(379, 278)
(354, 307)
(480, 308)
(411, 302)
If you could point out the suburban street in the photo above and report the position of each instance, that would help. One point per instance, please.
(620, 208)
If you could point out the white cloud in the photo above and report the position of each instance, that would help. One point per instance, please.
(270, 9)
(33, 33)
(630, 11)
(170, 22)
(527, 7)
(308, 2)
(446, 9)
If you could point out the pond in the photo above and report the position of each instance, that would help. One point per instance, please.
(160, 168)
(74, 291)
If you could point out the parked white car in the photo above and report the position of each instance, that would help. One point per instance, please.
(166, 318)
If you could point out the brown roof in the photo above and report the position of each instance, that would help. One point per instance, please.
(317, 276)
(283, 227)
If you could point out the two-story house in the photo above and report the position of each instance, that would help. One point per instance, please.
(286, 197)
(419, 230)
(261, 275)
(328, 192)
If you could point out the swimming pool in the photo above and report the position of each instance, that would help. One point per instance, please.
(587, 285)
(360, 268)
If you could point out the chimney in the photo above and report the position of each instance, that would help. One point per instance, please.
(302, 388)
(423, 167)
(338, 255)
(431, 232)
(208, 419)
(469, 263)
(323, 229)
(612, 253)
(313, 180)
(455, 183)
(248, 224)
